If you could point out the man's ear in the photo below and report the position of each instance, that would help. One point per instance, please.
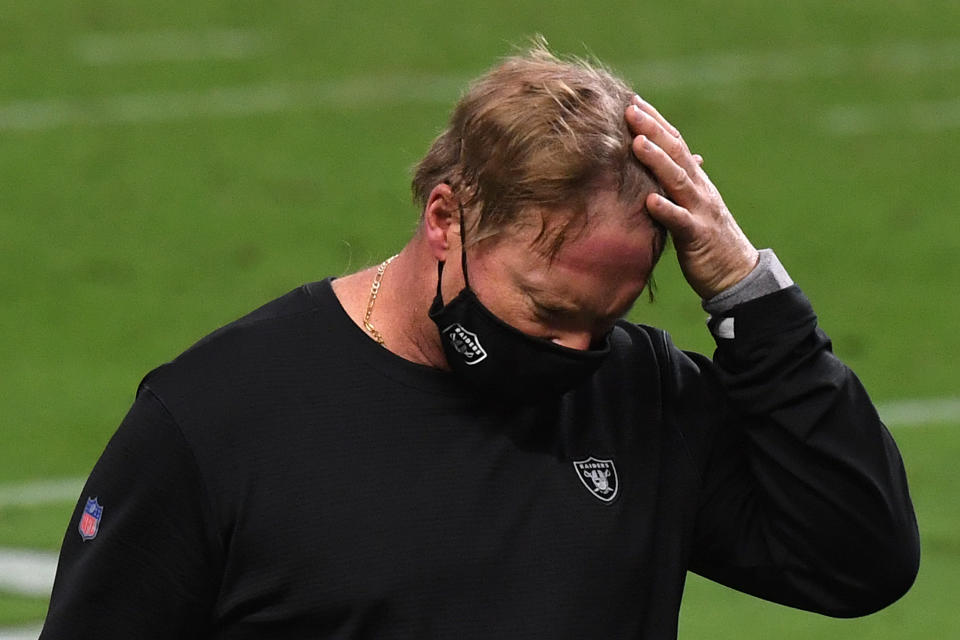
(441, 220)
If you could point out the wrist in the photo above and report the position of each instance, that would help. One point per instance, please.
(733, 273)
(767, 276)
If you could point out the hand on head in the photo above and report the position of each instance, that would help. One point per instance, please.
(713, 252)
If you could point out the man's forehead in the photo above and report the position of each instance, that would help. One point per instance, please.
(603, 221)
(606, 256)
(613, 234)
(607, 249)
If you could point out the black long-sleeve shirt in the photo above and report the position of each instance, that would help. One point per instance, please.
(289, 478)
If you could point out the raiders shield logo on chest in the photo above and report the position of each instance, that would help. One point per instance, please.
(599, 477)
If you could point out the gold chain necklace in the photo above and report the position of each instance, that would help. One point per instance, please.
(374, 289)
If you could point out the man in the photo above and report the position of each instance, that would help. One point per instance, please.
(468, 441)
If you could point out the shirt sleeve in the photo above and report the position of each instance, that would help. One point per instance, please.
(804, 499)
(144, 565)
(767, 277)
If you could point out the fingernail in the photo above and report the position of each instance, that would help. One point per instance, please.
(637, 99)
(644, 143)
(637, 114)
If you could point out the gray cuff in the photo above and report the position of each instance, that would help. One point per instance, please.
(767, 277)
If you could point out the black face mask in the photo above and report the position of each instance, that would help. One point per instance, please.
(490, 355)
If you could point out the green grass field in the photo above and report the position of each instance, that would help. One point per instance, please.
(169, 166)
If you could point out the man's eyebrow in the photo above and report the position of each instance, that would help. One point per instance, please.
(546, 300)
(551, 304)
(550, 310)
(555, 305)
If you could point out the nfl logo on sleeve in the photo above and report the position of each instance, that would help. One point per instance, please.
(90, 520)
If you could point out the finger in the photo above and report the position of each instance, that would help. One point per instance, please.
(652, 111)
(674, 178)
(643, 123)
(698, 159)
(675, 218)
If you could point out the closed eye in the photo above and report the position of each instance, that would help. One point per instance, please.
(547, 312)
(557, 313)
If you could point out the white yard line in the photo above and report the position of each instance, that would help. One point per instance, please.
(27, 572)
(715, 68)
(134, 47)
(20, 633)
(38, 492)
(920, 412)
(924, 116)
(30, 573)
(727, 68)
(246, 100)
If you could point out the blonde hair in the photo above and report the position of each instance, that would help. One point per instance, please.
(535, 132)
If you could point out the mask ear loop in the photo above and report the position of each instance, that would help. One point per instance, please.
(463, 246)
(463, 257)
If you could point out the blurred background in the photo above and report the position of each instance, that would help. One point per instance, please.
(165, 167)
